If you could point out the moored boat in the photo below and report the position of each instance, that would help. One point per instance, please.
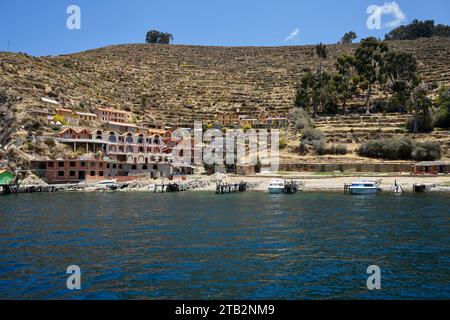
(364, 187)
(276, 186)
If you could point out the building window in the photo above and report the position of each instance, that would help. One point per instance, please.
(72, 173)
(133, 167)
(82, 163)
(50, 164)
(92, 173)
(144, 167)
(100, 164)
(72, 164)
(60, 164)
(100, 173)
(93, 164)
(114, 166)
(60, 173)
(107, 166)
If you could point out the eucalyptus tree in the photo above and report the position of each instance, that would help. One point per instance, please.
(407, 88)
(369, 60)
(155, 36)
(348, 38)
(346, 80)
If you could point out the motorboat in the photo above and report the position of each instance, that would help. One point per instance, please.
(106, 185)
(364, 187)
(276, 186)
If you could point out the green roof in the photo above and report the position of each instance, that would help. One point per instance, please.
(6, 177)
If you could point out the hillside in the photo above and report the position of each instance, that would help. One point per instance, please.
(177, 84)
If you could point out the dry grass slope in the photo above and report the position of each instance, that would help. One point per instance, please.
(179, 84)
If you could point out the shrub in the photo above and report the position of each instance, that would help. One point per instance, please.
(300, 119)
(303, 148)
(400, 149)
(282, 144)
(319, 147)
(442, 119)
(385, 106)
(310, 134)
(426, 151)
(424, 123)
(338, 149)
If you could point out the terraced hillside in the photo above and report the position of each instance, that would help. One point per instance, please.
(351, 130)
(178, 84)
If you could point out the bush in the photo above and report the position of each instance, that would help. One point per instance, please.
(300, 119)
(426, 151)
(442, 119)
(282, 144)
(319, 147)
(385, 106)
(424, 123)
(400, 149)
(310, 134)
(338, 149)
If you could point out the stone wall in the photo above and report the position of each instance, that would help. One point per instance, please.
(348, 167)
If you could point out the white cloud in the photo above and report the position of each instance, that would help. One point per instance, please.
(293, 35)
(392, 8)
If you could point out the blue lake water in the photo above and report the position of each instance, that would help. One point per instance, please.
(236, 246)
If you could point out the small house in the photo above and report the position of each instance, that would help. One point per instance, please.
(431, 167)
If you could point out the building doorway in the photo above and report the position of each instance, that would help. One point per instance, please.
(81, 175)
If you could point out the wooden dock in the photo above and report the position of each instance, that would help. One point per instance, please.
(223, 188)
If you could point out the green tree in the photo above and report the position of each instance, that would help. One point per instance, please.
(419, 107)
(165, 38)
(400, 69)
(321, 52)
(155, 36)
(306, 95)
(418, 29)
(442, 103)
(346, 81)
(369, 58)
(315, 92)
(348, 38)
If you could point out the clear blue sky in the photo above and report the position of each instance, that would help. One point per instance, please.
(39, 27)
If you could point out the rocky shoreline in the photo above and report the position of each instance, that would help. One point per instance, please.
(254, 183)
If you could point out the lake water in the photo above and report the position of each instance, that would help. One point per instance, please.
(237, 246)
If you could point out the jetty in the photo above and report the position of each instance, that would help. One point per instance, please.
(422, 187)
(223, 188)
(291, 187)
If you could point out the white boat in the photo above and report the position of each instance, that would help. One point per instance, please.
(106, 185)
(364, 187)
(107, 182)
(397, 189)
(276, 186)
